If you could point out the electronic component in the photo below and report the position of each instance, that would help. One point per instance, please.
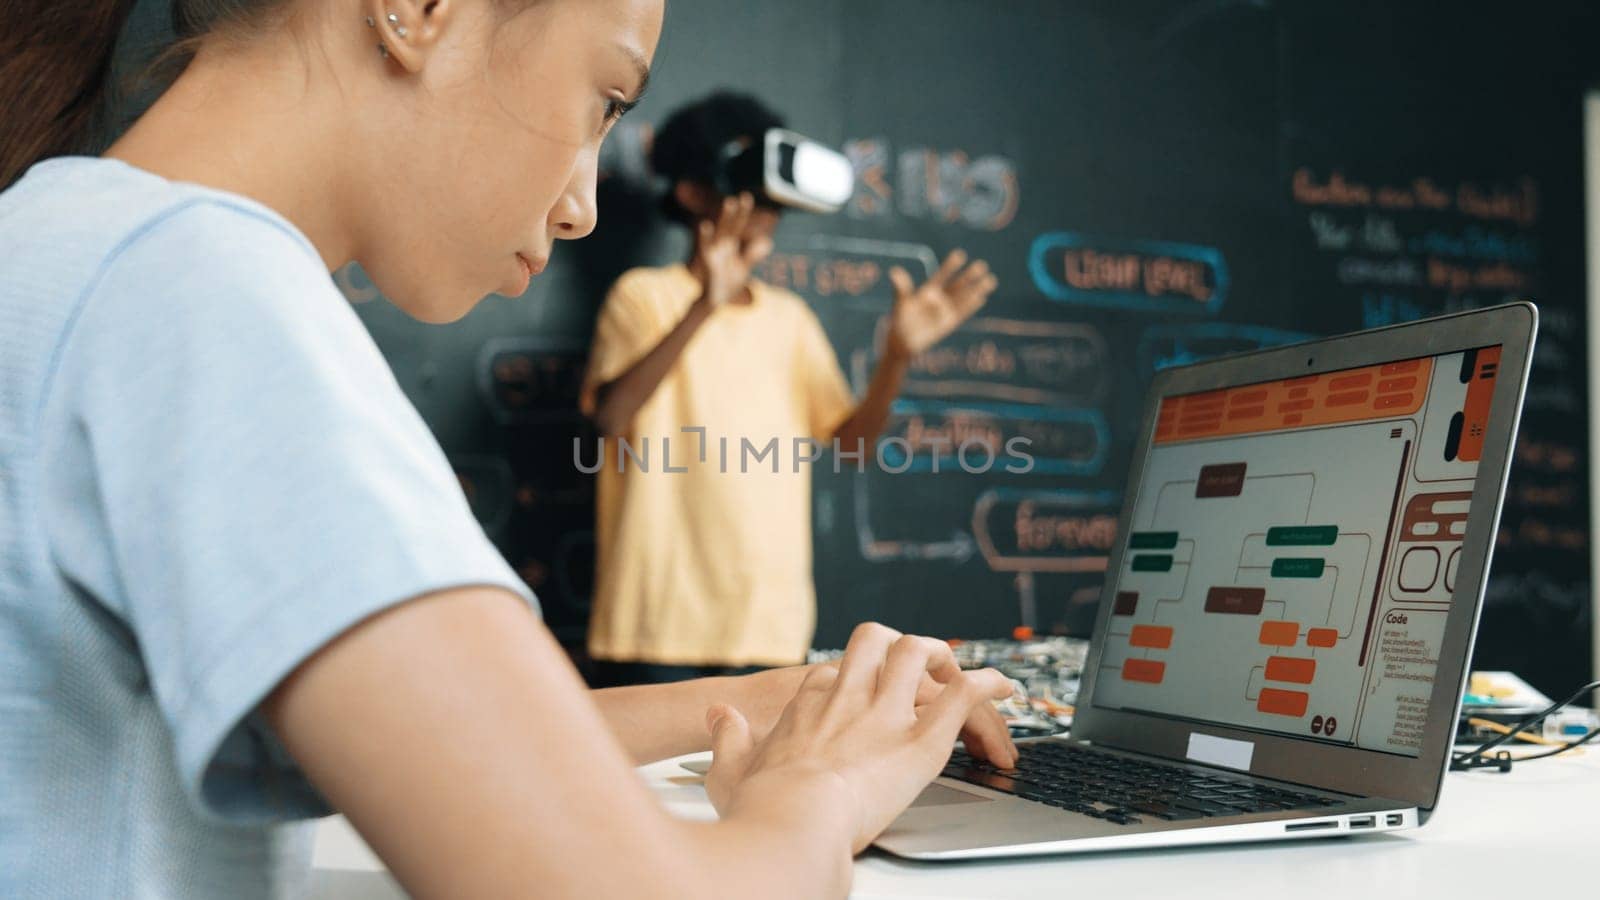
(787, 169)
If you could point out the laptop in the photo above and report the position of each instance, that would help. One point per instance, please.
(1283, 639)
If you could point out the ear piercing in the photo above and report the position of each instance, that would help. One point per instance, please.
(394, 23)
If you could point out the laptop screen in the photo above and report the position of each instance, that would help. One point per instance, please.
(1293, 550)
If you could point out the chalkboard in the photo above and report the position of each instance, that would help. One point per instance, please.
(1155, 183)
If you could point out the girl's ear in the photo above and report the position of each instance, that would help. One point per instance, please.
(408, 31)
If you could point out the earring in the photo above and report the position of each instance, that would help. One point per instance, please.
(383, 51)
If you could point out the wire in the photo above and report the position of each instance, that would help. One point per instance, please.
(1479, 758)
(1562, 748)
(1497, 728)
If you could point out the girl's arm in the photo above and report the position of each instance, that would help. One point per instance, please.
(454, 734)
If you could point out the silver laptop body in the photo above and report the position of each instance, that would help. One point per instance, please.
(1293, 597)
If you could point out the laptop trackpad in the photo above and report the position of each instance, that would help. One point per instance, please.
(939, 795)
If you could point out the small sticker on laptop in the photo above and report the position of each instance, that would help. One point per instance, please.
(1215, 751)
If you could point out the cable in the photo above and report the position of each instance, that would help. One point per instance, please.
(1478, 757)
(1562, 748)
(1497, 728)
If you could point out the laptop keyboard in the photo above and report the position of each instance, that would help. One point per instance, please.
(1122, 789)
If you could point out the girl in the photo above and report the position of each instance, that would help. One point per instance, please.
(238, 583)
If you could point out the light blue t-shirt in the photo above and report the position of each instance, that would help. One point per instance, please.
(207, 472)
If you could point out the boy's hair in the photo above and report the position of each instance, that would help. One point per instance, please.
(689, 145)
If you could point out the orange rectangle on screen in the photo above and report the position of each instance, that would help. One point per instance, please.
(1280, 634)
(1149, 671)
(1283, 703)
(1158, 637)
(1350, 399)
(1322, 637)
(1328, 399)
(1394, 401)
(1293, 669)
(1480, 391)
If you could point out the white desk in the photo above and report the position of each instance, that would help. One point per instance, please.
(1518, 834)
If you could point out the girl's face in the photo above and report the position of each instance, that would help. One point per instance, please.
(490, 128)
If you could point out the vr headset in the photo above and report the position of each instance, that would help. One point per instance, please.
(785, 169)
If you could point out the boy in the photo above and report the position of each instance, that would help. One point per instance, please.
(704, 553)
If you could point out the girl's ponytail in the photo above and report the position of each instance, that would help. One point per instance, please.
(55, 66)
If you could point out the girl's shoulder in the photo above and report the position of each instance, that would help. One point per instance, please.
(135, 271)
(69, 218)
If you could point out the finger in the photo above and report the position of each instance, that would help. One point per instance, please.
(730, 733)
(705, 231)
(951, 265)
(928, 689)
(864, 656)
(972, 298)
(987, 737)
(731, 745)
(756, 251)
(741, 221)
(944, 717)
(909, 659)
(813, 694)
(969, 278)
(972, 301)
(933, 682)
(820, 678)
(725, 217)
(901, 280)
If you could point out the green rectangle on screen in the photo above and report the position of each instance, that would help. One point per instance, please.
(1302, 535)
(1297, 567)
(1153, 540)
(1152, 562)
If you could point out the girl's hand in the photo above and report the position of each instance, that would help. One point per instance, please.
(763, 696)
(854, 731)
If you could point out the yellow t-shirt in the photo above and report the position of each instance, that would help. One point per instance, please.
(710, 565)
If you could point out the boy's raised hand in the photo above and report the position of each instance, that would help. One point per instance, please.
(923, 316)
(723, 259)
